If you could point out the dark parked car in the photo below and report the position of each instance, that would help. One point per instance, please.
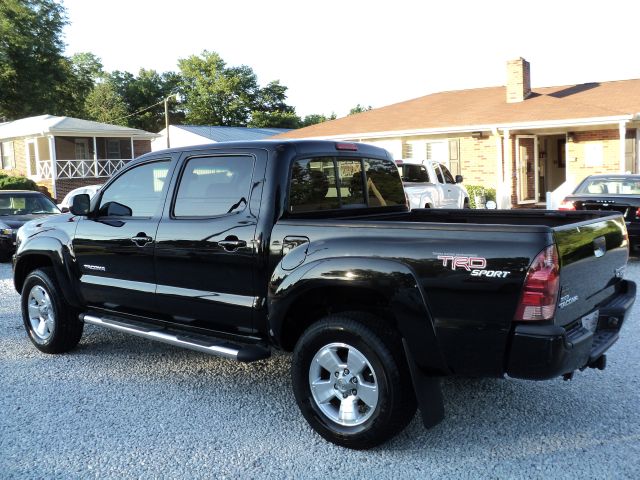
(620, 193)
(16, 208)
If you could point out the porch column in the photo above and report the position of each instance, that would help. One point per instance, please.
(54, 166)
(133, 155)
(508, 171)
(622, 127)
(95, 157)
(499, 166)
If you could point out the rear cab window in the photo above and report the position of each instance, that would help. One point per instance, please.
(337, 183)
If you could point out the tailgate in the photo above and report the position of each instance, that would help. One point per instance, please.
(593, 256)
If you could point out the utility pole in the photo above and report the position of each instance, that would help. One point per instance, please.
(166, 114)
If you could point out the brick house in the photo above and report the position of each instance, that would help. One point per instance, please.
(532, 145)
(63, 153)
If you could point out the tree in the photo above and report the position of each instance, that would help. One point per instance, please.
(85, 70)
(148, 89)
(105, 104)
(316, 118)
(33, 70)
(215, 94)
(359, 109)
(277, 119)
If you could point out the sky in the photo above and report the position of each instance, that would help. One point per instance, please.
(333, 55)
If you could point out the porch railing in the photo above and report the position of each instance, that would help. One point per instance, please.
(88, 168)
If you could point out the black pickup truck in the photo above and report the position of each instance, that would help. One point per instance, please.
(235, 249)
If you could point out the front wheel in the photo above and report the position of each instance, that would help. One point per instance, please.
(351, 381)
(53, 325)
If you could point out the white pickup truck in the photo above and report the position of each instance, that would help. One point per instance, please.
(429, 184)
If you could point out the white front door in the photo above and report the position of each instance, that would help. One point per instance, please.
(527, 168)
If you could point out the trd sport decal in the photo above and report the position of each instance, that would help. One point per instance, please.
(475, 265)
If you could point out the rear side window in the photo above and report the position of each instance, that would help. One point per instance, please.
(329, 183)
(384, 186)
(213, 186)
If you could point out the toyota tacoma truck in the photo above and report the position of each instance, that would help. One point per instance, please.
(309, 247)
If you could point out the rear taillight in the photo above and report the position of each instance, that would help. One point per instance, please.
(541, 286)
(566, 205)
(637, 214)
(351, 147)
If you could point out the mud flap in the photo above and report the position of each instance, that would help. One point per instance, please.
(428, 392)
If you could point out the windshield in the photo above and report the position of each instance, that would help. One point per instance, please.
(413, 173)
(26, 204)
(610, 186)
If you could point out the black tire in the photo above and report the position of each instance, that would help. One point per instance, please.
(63, 329)
(427, 205)
(466, 204)
(381, 346)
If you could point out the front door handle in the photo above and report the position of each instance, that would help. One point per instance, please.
(231, 244)
(141, 239)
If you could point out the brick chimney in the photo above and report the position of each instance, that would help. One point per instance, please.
(518, 80)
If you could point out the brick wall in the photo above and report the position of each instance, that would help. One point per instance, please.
(140, 147)
(478, 161)
(64, 186)
(576, 161)
(21, 158)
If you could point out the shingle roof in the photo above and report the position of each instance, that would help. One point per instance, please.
(487, 106)
(50, 124)
(230, 134)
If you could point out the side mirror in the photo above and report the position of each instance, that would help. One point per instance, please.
(80, 204)
(458, 178)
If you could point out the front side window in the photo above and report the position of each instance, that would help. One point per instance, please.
(448, 178)
(329, 183)
(436, 167)
(213, 186)
(136, 193)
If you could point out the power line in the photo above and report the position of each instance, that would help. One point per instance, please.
(139, 111)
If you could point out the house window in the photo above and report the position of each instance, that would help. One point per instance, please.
(82, 149)
(113, 149)
(8, 155)
(407, 151)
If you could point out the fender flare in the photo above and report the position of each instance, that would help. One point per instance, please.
(391, 279)
(61, 259)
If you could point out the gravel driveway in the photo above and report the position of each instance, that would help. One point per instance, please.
(123, 407)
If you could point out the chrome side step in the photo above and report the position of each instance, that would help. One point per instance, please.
(220, 348)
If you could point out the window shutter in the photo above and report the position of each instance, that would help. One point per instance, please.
(454, 157)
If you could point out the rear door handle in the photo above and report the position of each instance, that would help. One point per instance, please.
(141, 239)
(231, 244)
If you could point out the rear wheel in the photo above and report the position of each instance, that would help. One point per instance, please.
(466, 203)
(52, 324)
(351, 380)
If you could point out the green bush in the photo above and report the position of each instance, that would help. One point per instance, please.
(17, 183)
(489, 193)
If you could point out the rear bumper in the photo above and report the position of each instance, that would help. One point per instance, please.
(540, 352)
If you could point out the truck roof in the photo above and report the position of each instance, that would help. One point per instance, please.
(302, 146)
